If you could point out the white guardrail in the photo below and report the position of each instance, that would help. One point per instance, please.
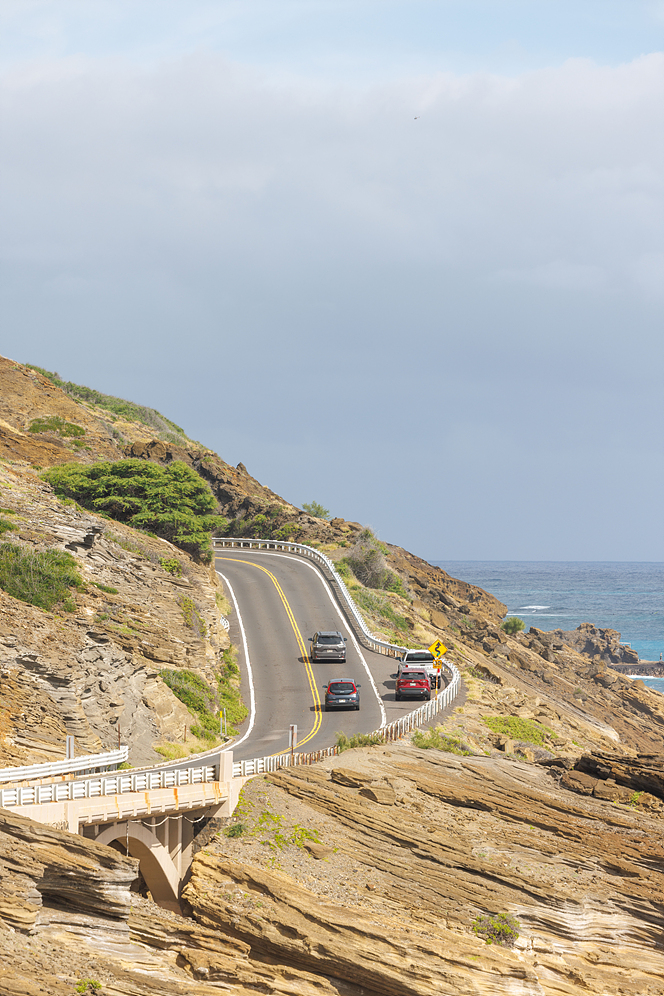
(393, 731)
(118, 783)
(83, 765)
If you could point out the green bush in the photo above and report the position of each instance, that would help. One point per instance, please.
(5, 526)
(519, 729)
(513, 625)
(172, 565)
(192, 690)
(380, 607)
(500, 928)
(171, 502)
(53, 423)
(106, 588)
(207, 703)
(317, 510)
(235, 830)
(344, 742)
(438, 740)
(126, 410)
(42, 579)
(192, 617)
(88, 986)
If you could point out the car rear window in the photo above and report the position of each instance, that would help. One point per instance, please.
(423, 656)
(414, 675)
(328, 639)
(342, 687)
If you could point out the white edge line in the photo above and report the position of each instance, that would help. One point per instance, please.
(323, 580)
(250, 676)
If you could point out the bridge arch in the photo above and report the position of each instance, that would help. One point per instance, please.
(155, 862)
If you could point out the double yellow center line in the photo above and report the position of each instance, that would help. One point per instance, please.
(300, 642)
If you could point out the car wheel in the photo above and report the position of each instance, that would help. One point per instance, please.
(357, 707)
(398, 697)
(427, 697)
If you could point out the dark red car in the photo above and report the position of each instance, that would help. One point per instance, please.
(413, 684)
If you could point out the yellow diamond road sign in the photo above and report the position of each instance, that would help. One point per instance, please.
(438, 649)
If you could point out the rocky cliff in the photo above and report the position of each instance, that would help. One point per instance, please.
(539, 797)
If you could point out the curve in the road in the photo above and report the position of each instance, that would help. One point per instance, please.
(270, 604)
(300, 642)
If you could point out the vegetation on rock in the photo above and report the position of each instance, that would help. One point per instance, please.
(172, 502)
(317, 510)
(344, 742)
(126, 410)
(207, 703)
(499, 928)
(517, 728)
(435, 738)
(513, 625)
(43, 578)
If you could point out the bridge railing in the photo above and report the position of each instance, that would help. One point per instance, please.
(51, 769)
(118, 783)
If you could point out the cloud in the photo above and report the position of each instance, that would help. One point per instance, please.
(412, 281)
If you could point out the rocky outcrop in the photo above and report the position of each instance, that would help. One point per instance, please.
(404, 882)
(93, 671)
(591, 641)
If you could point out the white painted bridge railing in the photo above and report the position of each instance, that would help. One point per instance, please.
(118, 783)
(393, 731)
(51, 769)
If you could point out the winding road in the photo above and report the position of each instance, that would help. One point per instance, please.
(280, 600)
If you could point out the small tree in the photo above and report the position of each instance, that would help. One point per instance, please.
(317, 510)
(513, 625)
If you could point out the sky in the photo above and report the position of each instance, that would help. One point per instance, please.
(400, 257)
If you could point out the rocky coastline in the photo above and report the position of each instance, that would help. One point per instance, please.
(536, 800)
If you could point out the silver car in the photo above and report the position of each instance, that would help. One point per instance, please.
(328, 645)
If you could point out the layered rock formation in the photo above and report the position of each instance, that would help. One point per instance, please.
(94, 671)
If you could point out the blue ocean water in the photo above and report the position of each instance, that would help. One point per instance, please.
(628, 597)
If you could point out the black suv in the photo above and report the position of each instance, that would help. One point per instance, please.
(342, 693)
(328, 645)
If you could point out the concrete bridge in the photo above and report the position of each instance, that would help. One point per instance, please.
(154, 814)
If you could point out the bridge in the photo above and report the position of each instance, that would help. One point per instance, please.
(155, 813)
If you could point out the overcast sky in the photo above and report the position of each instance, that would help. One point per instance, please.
(402, 257)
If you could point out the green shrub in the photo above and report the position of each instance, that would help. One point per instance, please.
(380, 607)
(513, 625)
(172, 565)
(105, 587)
(53, 423)
(439, 741)
(519, 729)
(171, 502)
(194, 692)
(499, 928)
(88, 986)
(126, 410)
(5, 526)
(317, 510)
(192, 617)
(42, 579)
(235, 830)
(344, 742)
(207, 703)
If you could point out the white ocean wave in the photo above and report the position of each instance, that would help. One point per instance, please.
(534, 608)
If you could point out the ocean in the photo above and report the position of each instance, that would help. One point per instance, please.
(625, 596)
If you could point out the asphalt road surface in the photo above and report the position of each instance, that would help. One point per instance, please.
(281, 601)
